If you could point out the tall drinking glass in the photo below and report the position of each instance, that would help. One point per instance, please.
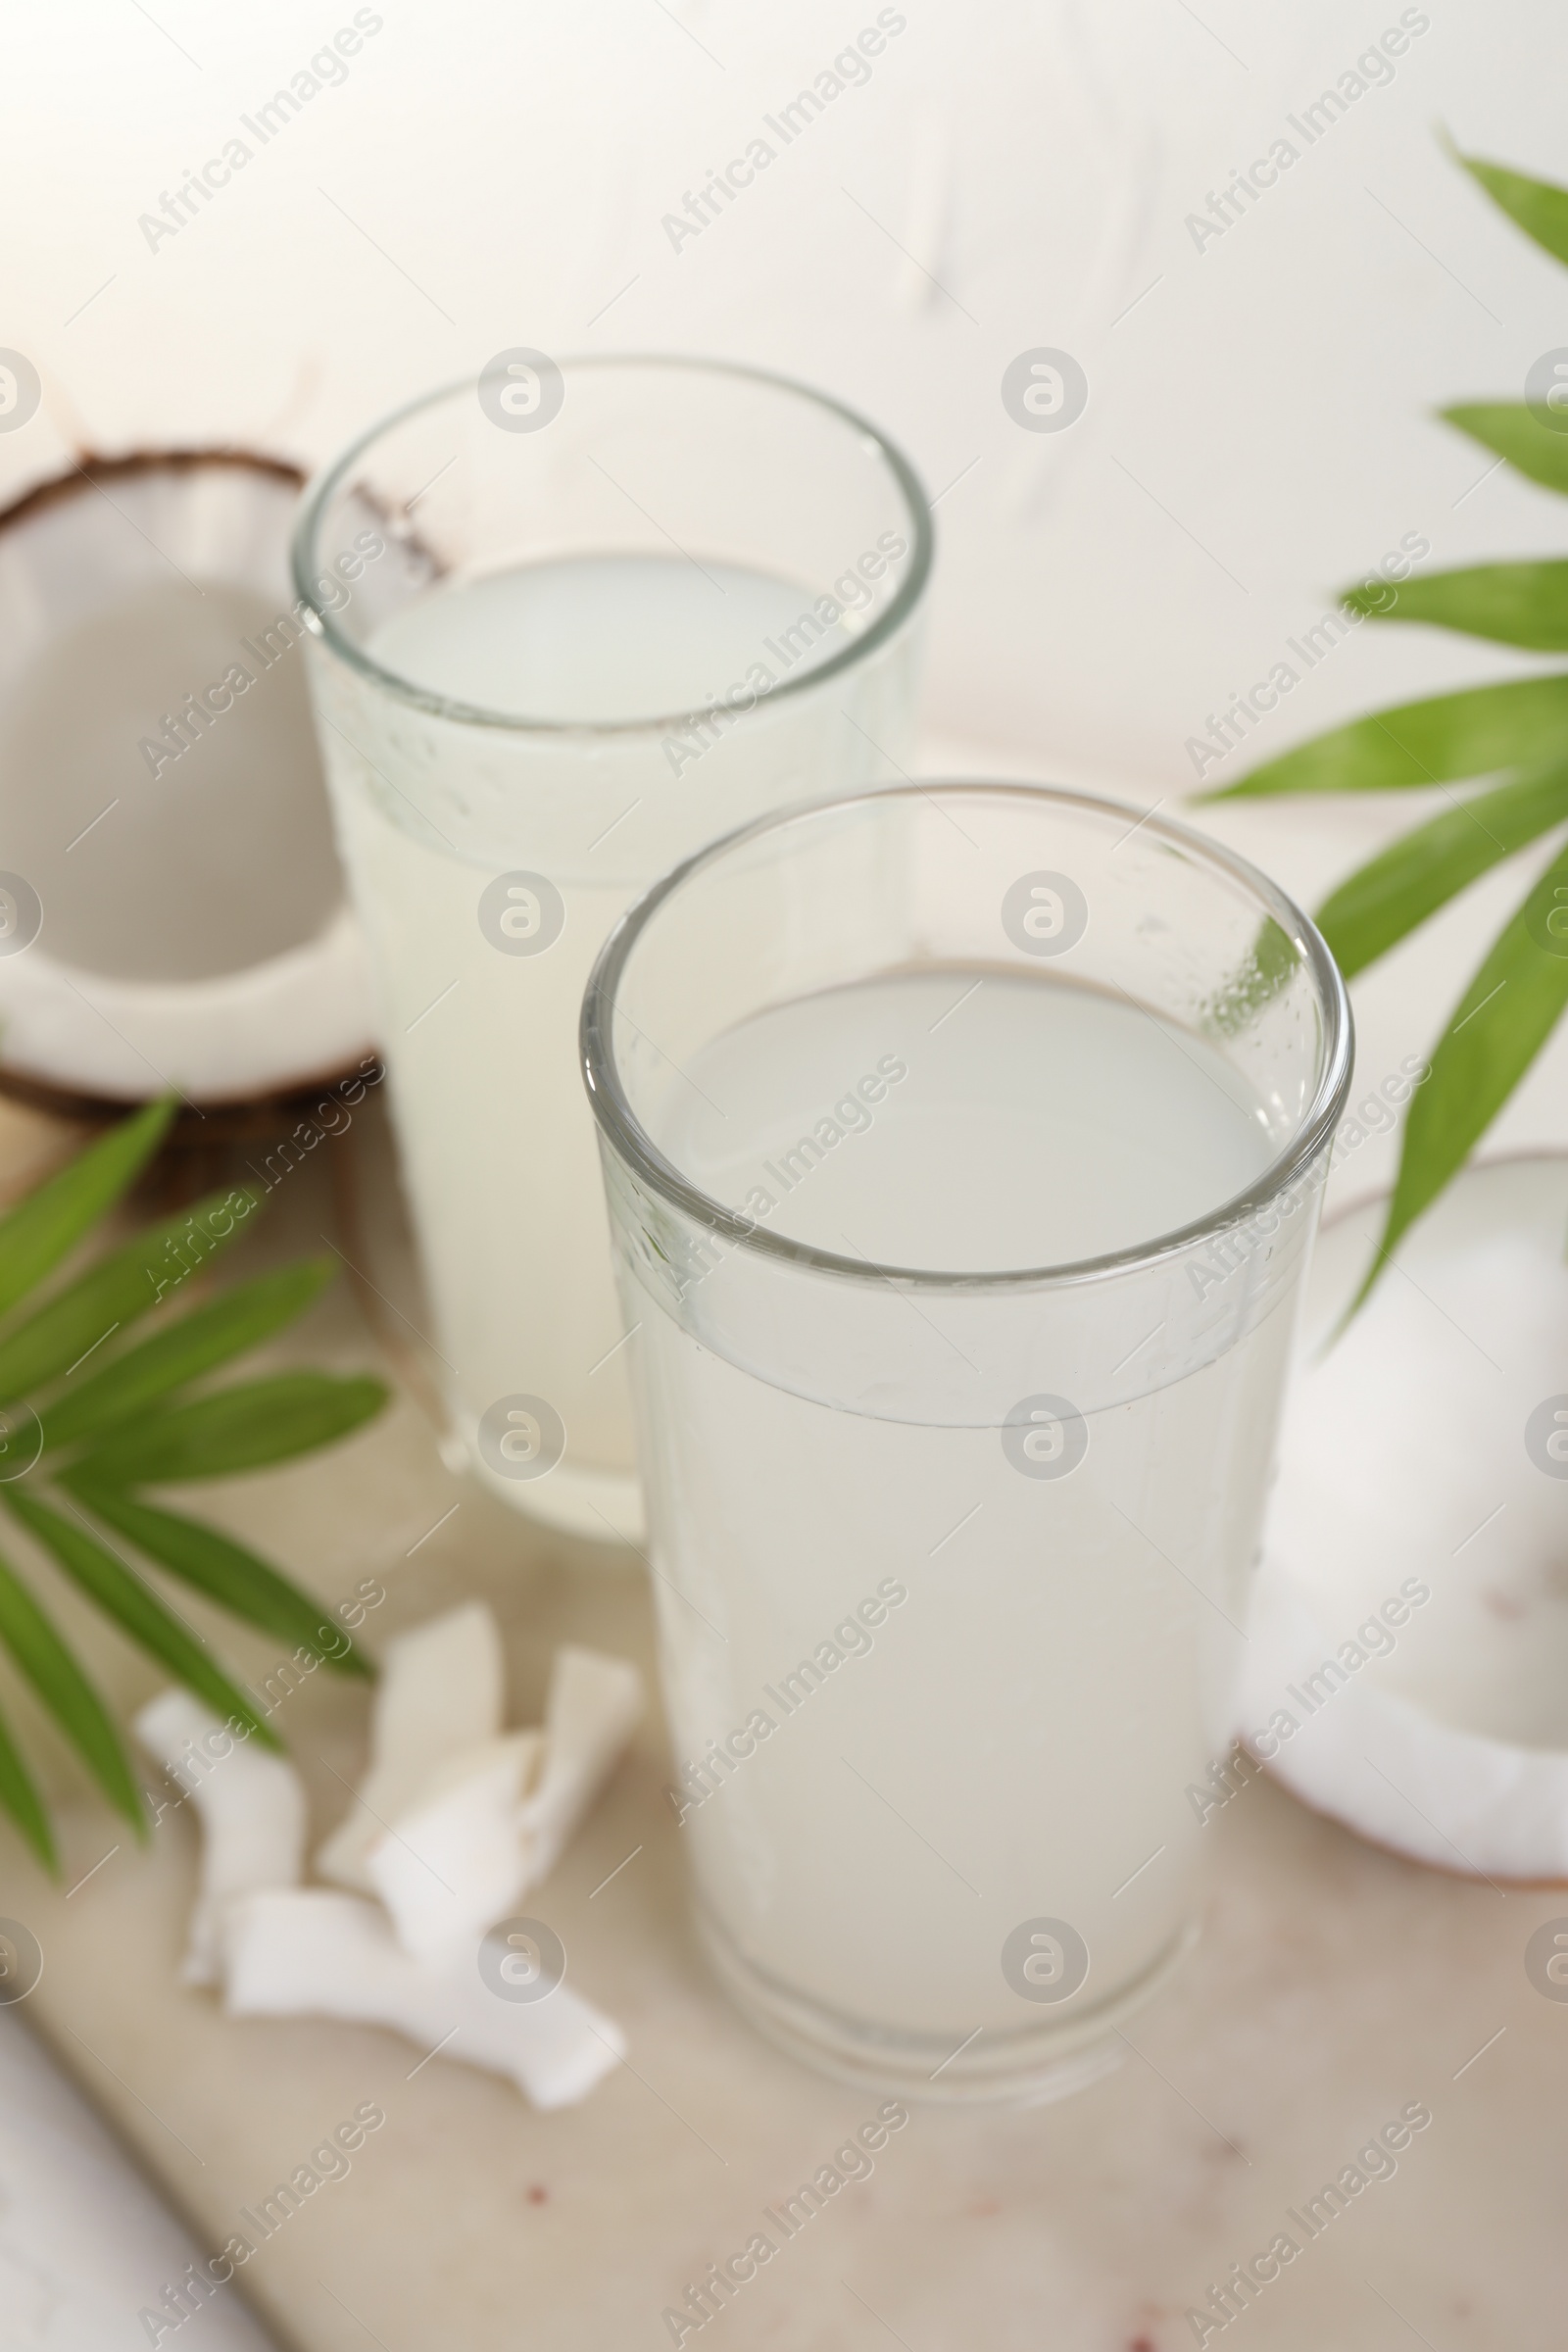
(602, 611)
(962, 1146)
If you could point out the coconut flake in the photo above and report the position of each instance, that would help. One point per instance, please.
(440, 1693)
(251, 1806)
(449, 1831)
(492, 1822)
(455, 1863)
(594, 1705)
(311, 1952)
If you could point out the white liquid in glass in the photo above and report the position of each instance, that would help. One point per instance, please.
(1013, 1740)
(495, 1133)
(592, 638)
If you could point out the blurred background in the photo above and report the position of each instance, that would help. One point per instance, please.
(1258, 424)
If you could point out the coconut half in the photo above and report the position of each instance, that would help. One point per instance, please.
(1407, 1664)
(172, 909)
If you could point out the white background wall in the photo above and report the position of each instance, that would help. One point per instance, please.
(1016, 172)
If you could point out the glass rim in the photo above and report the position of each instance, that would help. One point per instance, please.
(325, 486)
(622, 1129)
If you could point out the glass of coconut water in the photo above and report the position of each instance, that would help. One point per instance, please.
(962, 1146)
(627, 604)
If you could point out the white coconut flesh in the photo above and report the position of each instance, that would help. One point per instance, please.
(1407, 1666)
(310, 1952)
(440, 1696)
(451, 1865)
(194, 928)
(455, 1820)
(473, 1827)
(251, 1806)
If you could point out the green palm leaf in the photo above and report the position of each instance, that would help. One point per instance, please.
(226, 1571)
(243, 1427)
(1518, 729)
(208, 1336)
(120, 1410)
(1536, 206)
(1499, 1025)
(1512, 604)
(1386, 897)
(65, 1691)
(1443, 740)
(111, 1296)
(20, 1798)
(1514, 432)
(52, 1220)
(124, 1596)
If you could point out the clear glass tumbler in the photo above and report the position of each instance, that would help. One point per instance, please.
(963, 1147)
(603, 611)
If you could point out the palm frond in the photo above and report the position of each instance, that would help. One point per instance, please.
(1516, 733)
(115, 1410)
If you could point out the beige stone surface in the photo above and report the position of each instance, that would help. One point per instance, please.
(1333, 1985)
